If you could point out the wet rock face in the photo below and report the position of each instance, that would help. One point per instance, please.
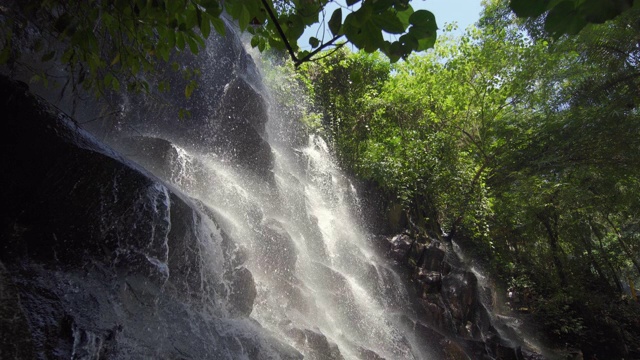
(225, 115)
(238, 127)
(101, 260)
(453, 318)
(315, 344)
(15, 339)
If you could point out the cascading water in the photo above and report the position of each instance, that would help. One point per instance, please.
(315, 274)
(245, 243)
(320, 285)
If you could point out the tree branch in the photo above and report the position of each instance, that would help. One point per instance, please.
(273, 18)
(292, 53)
(320, 48)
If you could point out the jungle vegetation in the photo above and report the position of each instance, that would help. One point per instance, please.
(111, 45)
(519, 139)
(522, 144)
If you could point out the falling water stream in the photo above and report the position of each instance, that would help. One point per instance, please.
(227, 234)
(320, 285)
(233, 236)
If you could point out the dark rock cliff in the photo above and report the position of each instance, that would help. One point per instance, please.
(451, 312)
(99, 259)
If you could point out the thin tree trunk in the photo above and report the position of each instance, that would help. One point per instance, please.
(624, 245)
(614, 273)
(594, 262)
(555, 249)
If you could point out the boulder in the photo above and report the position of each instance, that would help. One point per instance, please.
(450, 316)
(238, 128)
(277, 249)
(243, 292)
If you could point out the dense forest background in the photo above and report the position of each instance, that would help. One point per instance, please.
(522, 145)
(519, 140)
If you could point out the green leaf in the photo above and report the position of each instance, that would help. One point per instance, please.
(314, 42)
(245, 18)
(564, 19)
(191, 86)
(191, 18)
(180, 42)
(352, 2)
(395, 51)
(108, 79)
(426, 43)
(295, 27)
(382, 5)
(276, 43)
(335, 23)
(205, 26)
(420, 32)
(170, 38)
(404, 16)
(401, 5)
(212, 7)
(5, 54)
(193, 45)
(424, 18)
(255, 41)
(46, 57)
(115, 84)
(389, 22)
(370, 41)
(528, 8)
(218, 24)
(409, 40)
(303, 54)
(163, 51)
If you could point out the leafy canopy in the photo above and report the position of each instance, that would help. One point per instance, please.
(525, 149)
(111, 45)
(569, 16)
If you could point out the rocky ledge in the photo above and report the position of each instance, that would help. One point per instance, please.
(450, 309)
(99, 259)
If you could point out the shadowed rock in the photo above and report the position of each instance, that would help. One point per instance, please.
(102, 260)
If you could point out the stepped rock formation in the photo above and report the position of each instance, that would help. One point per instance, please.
(100, 259)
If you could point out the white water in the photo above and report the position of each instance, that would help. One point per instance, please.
(325, 278)
(321, 286)
(316, 273)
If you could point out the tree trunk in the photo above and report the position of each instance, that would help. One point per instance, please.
(594, 262)
(624, 245)
(555, 249)
(614, 273)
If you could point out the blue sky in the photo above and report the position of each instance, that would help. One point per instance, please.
(464, 12)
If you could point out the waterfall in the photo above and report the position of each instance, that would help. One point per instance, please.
(320, 285)
(222, 235)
